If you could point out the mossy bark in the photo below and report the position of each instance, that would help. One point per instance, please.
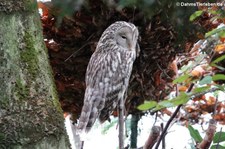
(30, 114)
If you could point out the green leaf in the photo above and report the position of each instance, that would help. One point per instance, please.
(219, 137)
(166, 104)
(201, 89)
(222, 34)
(195, 15)
(194, 134)
(214, 31)
(217, 147)
(147, 105)
(181, 79)
(218, 77)
(217, 66)
(157, 108)
(205, 80)
(218, 59)
(220, 87)
(214, 12)
(181, 99)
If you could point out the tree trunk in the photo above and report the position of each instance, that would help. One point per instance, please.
(30, 114)
(134, 130)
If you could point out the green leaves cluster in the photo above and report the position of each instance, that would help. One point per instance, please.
(219, 14)
(218, 139)
(195, 134)
(154, 106)
(201, 85)
(204, 85)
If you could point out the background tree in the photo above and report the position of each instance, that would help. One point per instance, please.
(30, 113)
(167, 39)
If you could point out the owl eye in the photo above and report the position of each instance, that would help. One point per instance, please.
(124, 37)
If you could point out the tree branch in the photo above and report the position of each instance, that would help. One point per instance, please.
(209, 135)
(121, 123)
(167, 126)
(163, 140)
(153, 137)
(177, 110)
(171, 119)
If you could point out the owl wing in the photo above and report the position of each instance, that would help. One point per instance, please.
(119, 82)
(102, 85)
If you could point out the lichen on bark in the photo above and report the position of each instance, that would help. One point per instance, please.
(28, 54)
(9, 6)
(30, 113)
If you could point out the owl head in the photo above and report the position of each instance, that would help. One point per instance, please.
(121, 34)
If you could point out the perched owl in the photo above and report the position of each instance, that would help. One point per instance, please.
(108, 73)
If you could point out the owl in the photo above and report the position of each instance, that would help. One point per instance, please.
(108, 73)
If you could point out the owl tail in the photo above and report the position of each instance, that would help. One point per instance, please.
(84, 117)
(87, 118)
(90, 111)
(93, 116)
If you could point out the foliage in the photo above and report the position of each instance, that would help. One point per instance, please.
(218, 139)
(147, 105)
(195, 15)
(194, 134)
(203, 72)
(217, 147)
(202, 69)
(219, 31)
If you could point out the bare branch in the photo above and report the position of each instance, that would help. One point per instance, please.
(171, 119)
(209, 135)
(153, 137)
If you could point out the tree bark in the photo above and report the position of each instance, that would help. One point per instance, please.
(121, 123)
(206, 142)
(30, 114)
(134, 130)
(152, 138)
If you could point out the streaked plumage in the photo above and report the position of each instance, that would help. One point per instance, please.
(108, 73)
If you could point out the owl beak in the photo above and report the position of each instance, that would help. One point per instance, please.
(131, 47)
(134, 42)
